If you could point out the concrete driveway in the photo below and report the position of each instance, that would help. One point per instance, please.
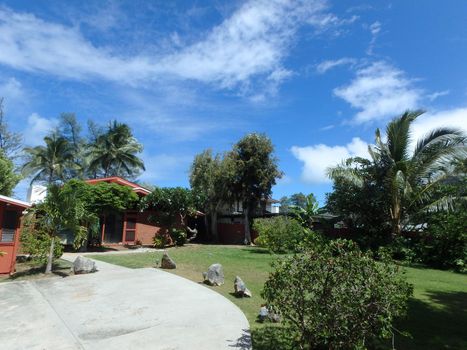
(118, 308)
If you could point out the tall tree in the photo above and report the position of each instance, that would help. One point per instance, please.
(70, 129)
(114, 152)
(409, 178)
(49, 163)
(210, 177)
(8, 178)
(10, 142)
(255, 172)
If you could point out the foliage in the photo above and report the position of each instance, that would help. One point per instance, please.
(409, 178)
(336, 296)
(10, 142)
(280, 234)
(296, 200)
(304, 214)
(8, 177)
(210, 178)
(50, 163)
(160, 241)
(114, 152)
(173, 204)
(36, 241)
(179, 237)
(60, 211)
(255, 171)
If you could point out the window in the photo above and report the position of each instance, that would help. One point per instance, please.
(130, 228)
(10, 219)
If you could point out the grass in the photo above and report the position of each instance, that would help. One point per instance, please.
(29, 270)
(437, 311)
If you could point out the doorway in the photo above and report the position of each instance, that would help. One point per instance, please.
(113, 232)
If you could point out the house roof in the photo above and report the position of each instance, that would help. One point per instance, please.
(118, 180)
(15, 202)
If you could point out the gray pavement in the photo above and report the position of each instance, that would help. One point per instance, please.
(118, 308)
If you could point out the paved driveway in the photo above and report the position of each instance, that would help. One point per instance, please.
(118, 308)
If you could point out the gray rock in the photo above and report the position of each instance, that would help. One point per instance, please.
(167, 262)
(214, 276)
(274, 318)
(83, 265)
(240, 288)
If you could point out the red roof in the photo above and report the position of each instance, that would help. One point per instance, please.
(118, 180)
(15, 202)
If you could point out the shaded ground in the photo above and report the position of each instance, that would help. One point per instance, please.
(29, 270)
(437, 312)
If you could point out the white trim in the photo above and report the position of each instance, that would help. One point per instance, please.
(14, 201)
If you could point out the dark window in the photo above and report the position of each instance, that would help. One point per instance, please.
(10, 219)
(131, 223)
(130, 236)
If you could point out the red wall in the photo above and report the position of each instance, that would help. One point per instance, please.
(145, 231)
(233, 233)
(8, 259)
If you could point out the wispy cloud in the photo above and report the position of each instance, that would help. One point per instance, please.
(437, 94)
(11, 89)
(375, 29)
(380, 90)
(327, 65)
(252, 43)
(317, 158)
(37, 128)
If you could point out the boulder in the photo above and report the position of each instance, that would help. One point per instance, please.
(83, 265)
(240, 288)
(214, 276)
(167, 262)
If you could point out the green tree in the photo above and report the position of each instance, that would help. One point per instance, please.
(210, 178)
(298, 200)
(70, 130)
(305, 214)
(409, 178)
(8, 178)
(61, 210)
(50, 163)
(255, 171)
(333, 296)
(114, 152)
(10, 142)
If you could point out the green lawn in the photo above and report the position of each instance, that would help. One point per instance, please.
(437, 313)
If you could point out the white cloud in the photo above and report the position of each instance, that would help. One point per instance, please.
(37, 128)
(375, 28)
(379, 91)
(252, 42)
(324, 66)
(318, 158)
(437, 94)
(11, 89)
(454, 118)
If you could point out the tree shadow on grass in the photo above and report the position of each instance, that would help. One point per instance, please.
(441, 326)
(273, 337)
(58, 269)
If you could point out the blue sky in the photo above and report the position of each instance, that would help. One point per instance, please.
(317, 76)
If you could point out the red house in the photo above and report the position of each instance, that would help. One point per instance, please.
(11, 211)
(130, 227)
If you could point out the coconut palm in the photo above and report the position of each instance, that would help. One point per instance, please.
(114, 153)
(51, 162)
(409, 177)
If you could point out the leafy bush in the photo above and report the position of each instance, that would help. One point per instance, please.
(37, 243)
(160, 241)
(335, 296)
(179, 237)
(280, 234)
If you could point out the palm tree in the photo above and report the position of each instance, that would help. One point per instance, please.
(114, 153)
(50, 162)
(410, 178)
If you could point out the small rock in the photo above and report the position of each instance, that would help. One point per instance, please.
(167, 262)
(274, 318)
(240, 288)
(83, 265)
(214, 276)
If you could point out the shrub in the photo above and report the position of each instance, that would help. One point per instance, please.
(335, 296)
(280, 234)
(37, 243)
(179, 237)
(160, 241)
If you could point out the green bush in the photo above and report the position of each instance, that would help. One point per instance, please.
(280, 234)
(37, 244)
(337, 297)
(178, 236)
(160, 241)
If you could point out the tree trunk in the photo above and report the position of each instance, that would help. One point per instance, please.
(206, 225)
(214, 233)
(396, 217)
(246, 219)
(50, 258)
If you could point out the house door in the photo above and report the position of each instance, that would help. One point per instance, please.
(8, 229)
(113, 228)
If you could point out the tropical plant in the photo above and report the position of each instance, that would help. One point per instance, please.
(114, 152)
(409, 178)
(60, 211)
(255, 171)
(336, 297)
(8, 178)
(305, 214)
(49, 163)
